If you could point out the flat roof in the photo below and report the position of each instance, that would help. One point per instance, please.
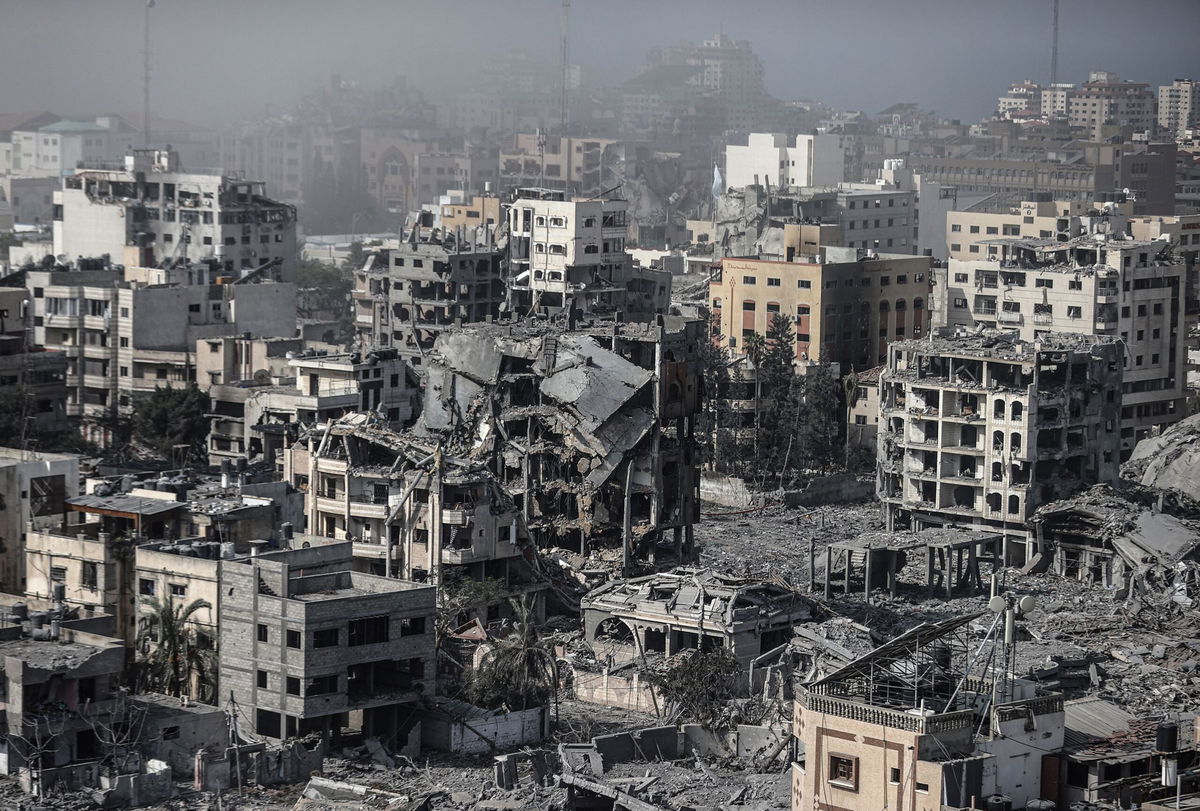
(123, 504)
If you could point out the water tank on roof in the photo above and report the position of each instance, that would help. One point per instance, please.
(37, 620)
(1166, 737)
(999, 802)
(228, 550)
(186, 551)
(19, 612)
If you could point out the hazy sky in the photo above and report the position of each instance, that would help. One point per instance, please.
(218, 60)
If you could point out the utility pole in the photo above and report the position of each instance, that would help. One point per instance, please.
(146, 76)
(1054, 47)
(564, 67)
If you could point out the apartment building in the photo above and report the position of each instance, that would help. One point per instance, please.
(38, 373)
(972, 231)
(1100, 284)
(459, 211)
(126, 331)
(405, 297)
(773, 159)
(846, 305)
(981, 429)
(1022, 97)
(34, 487)
(308, 644)
(54, 150)
(568, 256)
(226, 359)
(255, 418)
(150, 210)
(570, 164)
(1179, 107)
(1106, 98)
(1079, 171)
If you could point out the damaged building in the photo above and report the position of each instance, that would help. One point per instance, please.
(529, 434)
(567, 256)
(405, 297)
(690, 609)
(1117, 538)
(982, 429)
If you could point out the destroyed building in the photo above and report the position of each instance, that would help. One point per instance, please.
(529, 435)
(309, 644)
(690, 609)
(567, 256)
(983, 429)
(1116, 538)
(918, 723)
(404, 297)
(1169, 461)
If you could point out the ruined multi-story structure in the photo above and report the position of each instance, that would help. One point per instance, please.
(568, 256)
(528, 434)
(37, 373)
(1100, 282)
(309, 644)
(254, 417)
(982, 430)
(404, 297)
(149, 209)
(684, 609)
(34, 488)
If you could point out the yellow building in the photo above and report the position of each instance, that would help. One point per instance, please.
(845, 306)
(481, 210)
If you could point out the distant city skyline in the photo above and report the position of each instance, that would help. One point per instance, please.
(218, 61)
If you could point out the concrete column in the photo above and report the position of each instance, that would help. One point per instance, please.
(867, 576)
(929, 551)
(828, 570)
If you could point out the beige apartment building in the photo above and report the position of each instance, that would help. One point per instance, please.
(1096, 284)
(845, 305)
(1179, 106)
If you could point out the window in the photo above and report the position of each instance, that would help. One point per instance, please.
(177, 589)
(293, 638)
(412, 626)
(749, 280)
(894, 776)
(262, 678)
(843, 772)
(748, 306)
(322, 685)
(804, 284)
(293, 686)
(146, 587)
(956, 227)
(90, 577)
(860, 419)
(924, 787)
(802, 309)
(772, 306)
(961, 303)
(772, 282)
(961, 278)
(262, 633)
(368, 631)
(1074, 312)
(1048, 283)
(58, 574)
(327, 638)
(954, 246)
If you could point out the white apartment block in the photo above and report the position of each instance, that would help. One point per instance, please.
(1054, 102)
(1179, 106)
(569, 255)
(1095, 284)
(126, 331)
(55, 150)
(769, 159)
(151, 211)
(1022, 97)
(877, 218)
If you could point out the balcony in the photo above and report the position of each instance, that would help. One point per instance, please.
(1043, 319)
(1005, 317)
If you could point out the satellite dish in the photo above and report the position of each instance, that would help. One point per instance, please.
(1027, 603)
(997, 604)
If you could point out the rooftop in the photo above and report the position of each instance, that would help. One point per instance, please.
(122, 504)
(997, 344)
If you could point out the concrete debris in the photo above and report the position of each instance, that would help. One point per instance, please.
(1170, 461)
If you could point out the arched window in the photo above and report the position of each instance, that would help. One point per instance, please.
(1017, 410)
(1014, 505)
(883, 307)
(998, 409)
(918, 303)
(993, 502)
(1016, 441)
(998, 440)
(901, 305)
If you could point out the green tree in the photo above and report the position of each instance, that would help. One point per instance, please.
(821, 427)
(171, 661)
(777, 383)
(171, 417)
(713, 424)
(520, 673)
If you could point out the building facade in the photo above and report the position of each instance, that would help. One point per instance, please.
(983, 430)
(770, 159)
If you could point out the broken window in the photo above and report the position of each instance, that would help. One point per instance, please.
(843, 772)
(368, 631)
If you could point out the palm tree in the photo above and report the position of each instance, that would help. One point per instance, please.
(170, 659)
(521, 671)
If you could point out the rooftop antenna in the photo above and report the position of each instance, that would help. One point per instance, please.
(146, 76)
(1054, 46)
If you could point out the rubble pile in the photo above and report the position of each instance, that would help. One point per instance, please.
(1170, 461)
